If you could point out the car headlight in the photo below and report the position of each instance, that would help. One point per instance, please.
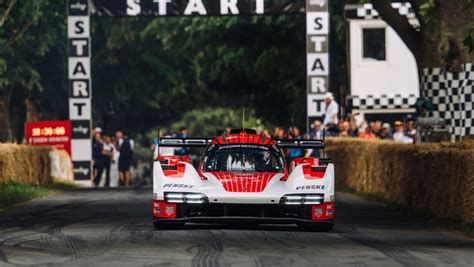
(188, 198)
(302, 199)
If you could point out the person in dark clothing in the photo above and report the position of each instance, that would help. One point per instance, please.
(97, 147)
(183, 133)
(125, 158)
(295, 152)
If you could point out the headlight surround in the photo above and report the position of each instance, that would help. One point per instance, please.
(302, 199)
(187, 198)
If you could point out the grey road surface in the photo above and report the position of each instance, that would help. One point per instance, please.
(113, 228)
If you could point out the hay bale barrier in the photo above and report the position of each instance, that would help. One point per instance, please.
(25, 164)
(431, 179)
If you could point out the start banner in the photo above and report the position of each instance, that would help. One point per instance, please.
(194, 7)
(49, 133)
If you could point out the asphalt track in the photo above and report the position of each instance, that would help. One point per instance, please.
(113, 228)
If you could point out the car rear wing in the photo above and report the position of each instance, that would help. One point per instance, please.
(185, 142)
(303, 144)
(204, 142)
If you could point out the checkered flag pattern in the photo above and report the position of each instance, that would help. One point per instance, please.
(367, 11)
(453, 96)
(382, 102)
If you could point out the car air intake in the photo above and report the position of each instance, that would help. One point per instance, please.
(169, 167)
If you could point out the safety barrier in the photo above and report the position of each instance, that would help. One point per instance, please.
(33, 165)
(432, 179)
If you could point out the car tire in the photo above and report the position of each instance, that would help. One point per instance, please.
(167, 226)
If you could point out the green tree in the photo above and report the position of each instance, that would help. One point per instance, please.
(32, 46)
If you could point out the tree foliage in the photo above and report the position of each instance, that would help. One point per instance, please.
(179, 64)
(32, 59)
(155, 72)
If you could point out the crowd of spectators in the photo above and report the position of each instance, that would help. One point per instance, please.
(399, 131)
(331, 126)
(114, 155)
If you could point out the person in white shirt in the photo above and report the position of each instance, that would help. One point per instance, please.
(332, 110)
(107, 153)
(399, 135)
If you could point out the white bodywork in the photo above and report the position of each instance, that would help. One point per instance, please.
(214, 189)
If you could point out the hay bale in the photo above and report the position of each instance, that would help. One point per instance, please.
(61, 165)
(436, 179)
(25, 164)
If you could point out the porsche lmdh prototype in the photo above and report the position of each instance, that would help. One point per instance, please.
(243, 178)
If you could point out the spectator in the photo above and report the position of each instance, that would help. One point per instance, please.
(344, 129)
(125, 158)
(96, 130)
(114, 168)
(399, 135)
(385, 132)
(97, 147)
(411, 131)
(154, 147)
(279, 133)
(332, 109)
(365, 133)
(183, 133)
(295, 153)
(275, 133)
(107, 155)
(352, 126)
(266, 133)
(376, 127)
(316, 133)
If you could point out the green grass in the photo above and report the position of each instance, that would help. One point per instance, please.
(467, 229)
(15, 193)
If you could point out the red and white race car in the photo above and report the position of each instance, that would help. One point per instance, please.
(243, 178)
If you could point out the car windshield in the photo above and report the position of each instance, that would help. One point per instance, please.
(242, 159)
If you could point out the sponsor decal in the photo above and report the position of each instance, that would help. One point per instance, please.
(82, 170)
(80, 129)
(169, 210)
(311, 187)
(188, 186)
(329, 213)
(158, 211)
(320, 3)
(78, 6)
(318, 212)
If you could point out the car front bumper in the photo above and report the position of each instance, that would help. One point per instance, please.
(241, 213)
